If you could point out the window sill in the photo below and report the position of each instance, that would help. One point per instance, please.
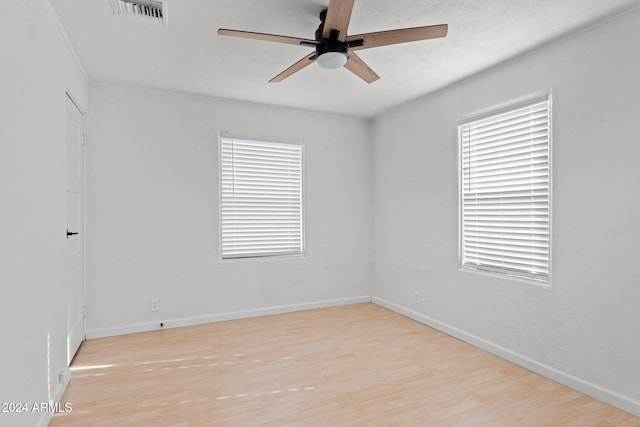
(265, 259)
(539, 283)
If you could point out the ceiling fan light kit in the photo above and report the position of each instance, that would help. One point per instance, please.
(334, 48)
(332, 60)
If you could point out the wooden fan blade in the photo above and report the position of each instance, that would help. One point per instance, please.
(307, 60)
(338, 17)
(263, 36)
(384, 38)
(357, 66)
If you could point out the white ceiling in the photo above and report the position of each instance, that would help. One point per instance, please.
(188, 56)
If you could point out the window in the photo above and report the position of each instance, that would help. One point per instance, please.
(261, 198)
(505, 182)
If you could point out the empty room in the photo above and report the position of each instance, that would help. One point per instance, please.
(320, 212)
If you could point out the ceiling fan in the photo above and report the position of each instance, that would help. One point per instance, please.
(334, 48)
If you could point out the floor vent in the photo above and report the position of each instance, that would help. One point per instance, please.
(155, 9)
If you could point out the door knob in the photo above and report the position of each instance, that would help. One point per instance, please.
(70, 233)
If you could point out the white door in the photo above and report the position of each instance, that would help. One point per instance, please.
(74, 254)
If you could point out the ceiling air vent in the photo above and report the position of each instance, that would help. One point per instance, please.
(155, 9)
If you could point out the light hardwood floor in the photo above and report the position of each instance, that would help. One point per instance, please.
(358, 365)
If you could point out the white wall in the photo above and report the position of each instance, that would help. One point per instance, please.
(152, 209)
(586, 324)
(37, 69)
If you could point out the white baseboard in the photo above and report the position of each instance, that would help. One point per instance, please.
(212, 318)
(45, 417)
(594, 390)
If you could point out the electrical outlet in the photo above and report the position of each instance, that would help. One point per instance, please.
(417, 297)
(155, 305)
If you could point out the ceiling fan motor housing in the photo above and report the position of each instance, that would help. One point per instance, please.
(330, 52)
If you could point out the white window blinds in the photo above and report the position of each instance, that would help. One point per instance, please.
(505, 192)
(261, 198)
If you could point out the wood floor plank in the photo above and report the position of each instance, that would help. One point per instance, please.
(345, 366)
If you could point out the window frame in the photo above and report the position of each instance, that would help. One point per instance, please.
(485, 114)
(226, 135)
